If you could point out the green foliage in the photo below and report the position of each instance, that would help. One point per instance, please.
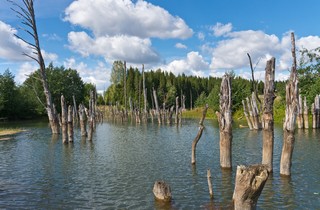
(8, 95)
(117, 72)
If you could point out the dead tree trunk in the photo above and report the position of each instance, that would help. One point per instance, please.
(314, 116)
(145, 113)
(70, 123)
(91, 117)
(209, 183)
(246, 114)
(157, 105)
(82, 117)
(75, 111)
(292, 102)
(64, 120)
(249, 184)
(177, 111)
(27, 16)
(317, 112)
(196, 140)
(125, 87)
(300, 113)
(225, 122)
(305, 114)
(255, 112)
(162, 191)
(267, 118)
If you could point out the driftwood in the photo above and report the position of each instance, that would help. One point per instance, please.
(225, 122)
(249, 183)
(209, 183)
(305, 114)
(70, 123)
(267, 117)
(162, 191)
(64, 120)
(199, 134)
(292, 102)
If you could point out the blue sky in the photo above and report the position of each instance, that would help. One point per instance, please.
(203, 38)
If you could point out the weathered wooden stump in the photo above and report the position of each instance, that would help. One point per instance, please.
(162, 191)
(267, 117)
(70, 123)
(64, 120)
(249, 183)
(225, 122)
(209, 183)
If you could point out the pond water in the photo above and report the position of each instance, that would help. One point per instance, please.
(118, 168)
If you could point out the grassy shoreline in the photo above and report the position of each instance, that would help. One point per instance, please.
(6, 134)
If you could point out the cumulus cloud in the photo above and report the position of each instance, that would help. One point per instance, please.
(114, 17)
(24, 70)
(99, 75)
(129, 48)
(181, 46)
(221, 29)
(193, 64)
(11, 47)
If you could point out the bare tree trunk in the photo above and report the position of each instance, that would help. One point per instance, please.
(209, 183)
(292, 102)
(225, 122)
(249, 183)
(245, 110)
(177, 111)
(145, 113)
(162, 191)
(27, 16)
(64, 120)
(75, 111)
(300, 113)
(70, 123)
(82, 117)
(125, 86)
(305, 114)
(196, 140)
(91, 116)
(268, 119)
(157, 105)
(317, 107)
(255, 112)
(314, 116)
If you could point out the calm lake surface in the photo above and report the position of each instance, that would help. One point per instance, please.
(118, 168)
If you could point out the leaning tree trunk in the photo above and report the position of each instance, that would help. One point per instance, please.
(64, 120)
(196, 140)
(267, 117)
(292, 102)
(249, 184)
(225, 122)
(28, 19)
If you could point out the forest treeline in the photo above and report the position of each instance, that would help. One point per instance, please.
(27, 100)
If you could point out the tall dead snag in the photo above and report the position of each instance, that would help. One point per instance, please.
(64, 120)
(70, 123)
(225, 122)
(249, 184)
(27, 15)
(125, 87)
(255, 112)
(157, 105)
(316, 111)
(82, 117)
(292, 102)
(196, 140)
(177, 110)
(305, 114)
(300, 113)
(267, 117)
(209, 183)
(246, 114)
(90, 116)
(145, 113)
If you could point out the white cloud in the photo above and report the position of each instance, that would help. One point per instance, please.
(114, 17)
(25, 70)
(99, 75)
(131, 49)
(181, 46)
(11, 48)
(221, 29)
(201, 36)
(193, 64)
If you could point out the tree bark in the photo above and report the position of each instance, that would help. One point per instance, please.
(209, 183)
(196, 140)
(91, 117)
(314, 116)
(292, 102)
(64, 120)
(255, 112)
(145, 113)
(267, 118)
(249, 183)
(305, 114)
(177, 110)
(300, 113)
(246, 114)
(82, 117)
(225, 122)
(162, 191)
(70, 123)
(157, 105)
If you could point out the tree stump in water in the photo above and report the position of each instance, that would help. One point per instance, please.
(305, 114)
(70, 123)
(267, 117)
(292, 102)
(82, 117)
(64, 120)
(225, 122)
(249, 183)
(162, 191)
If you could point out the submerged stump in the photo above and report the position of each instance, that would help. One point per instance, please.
(162, 191)
(249, 183)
